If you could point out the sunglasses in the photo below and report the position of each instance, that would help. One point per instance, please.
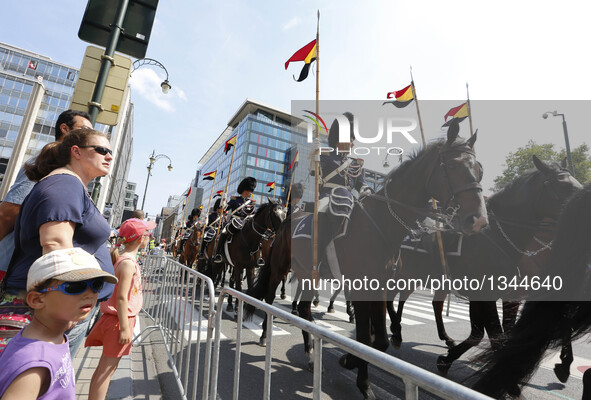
(99, 149)
(79, 287)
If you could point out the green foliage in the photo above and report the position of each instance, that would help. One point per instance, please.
(522, 160)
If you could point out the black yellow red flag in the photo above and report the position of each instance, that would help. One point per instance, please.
(307, 54)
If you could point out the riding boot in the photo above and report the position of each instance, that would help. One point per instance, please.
(217, 258)
(327, 230)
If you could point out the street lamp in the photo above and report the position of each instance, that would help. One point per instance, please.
(153, 159)
(165, 85)
(568, 154)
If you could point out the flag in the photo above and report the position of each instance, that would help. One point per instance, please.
(295, 160)
(403, 97)
(229, 143)
(460, 113)
(189, 192)
(210, 176)
(307, 54)
(218, 193)
(271, 186)
(33, 64)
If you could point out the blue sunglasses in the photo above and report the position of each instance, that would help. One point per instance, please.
(79, 287)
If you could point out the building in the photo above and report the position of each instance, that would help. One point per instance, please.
(267, 141)
(19, 69)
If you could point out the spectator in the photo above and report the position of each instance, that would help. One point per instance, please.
(114, 330)
(139, 214)
(58, 213)
(62, 288)
(9, 208)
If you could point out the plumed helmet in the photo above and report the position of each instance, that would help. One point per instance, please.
(249, 183)
(333, 133)
(217, 204)
(195, 212)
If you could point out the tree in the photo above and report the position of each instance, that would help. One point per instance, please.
(521, 160)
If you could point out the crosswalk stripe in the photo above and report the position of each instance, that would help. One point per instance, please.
(255, 325)
(420, 307)
(186, 312)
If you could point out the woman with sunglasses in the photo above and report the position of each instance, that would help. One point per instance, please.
(59, 213)
(114, 330)
(62, 288)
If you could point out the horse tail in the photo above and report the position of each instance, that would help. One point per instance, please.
(260, 287)
(540, 327)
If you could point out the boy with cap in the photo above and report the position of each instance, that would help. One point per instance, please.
(62, 289)
(114, 329)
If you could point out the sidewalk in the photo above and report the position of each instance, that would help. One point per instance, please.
(136, 377)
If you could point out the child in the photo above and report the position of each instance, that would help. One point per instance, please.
(114, 329)
(62, 289)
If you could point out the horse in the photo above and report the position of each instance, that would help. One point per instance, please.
(523, 208)
(242, 251)
(446, 170)
(189, 253)
(545, 322)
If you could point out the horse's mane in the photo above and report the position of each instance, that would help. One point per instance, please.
(544, 324)
(262, 208)
(435, 145)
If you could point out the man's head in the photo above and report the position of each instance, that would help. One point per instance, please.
(139, 214)
(297, 192)
(70, 120)
(247, 186)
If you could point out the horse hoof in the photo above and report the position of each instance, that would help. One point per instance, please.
(562, 372)
(450, 343)
(283, 296)
(315, 303)
(230, 308)
(345, 363)
(352, 319)
(443, 365)
(263, 342)
(330, 310)
(396, 342)
(368, 394)
(295, 312)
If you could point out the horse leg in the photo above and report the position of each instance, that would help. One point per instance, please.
(234, 282)
(283, 296)
(396, 317)
(510, 309)
(562, 370)
(478, 310)
(294, 303)
(587, 385)
(438, 302)
(305, 312)
(330, 308)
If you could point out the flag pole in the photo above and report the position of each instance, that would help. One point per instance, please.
(469, 109)
(433, 201)
(217, 233)
(315, 274)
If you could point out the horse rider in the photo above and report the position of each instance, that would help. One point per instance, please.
(340, 174)
(245, 207)
(214, 218)
(191, 221)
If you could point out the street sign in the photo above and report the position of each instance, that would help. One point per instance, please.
(137, 25)
(114, 89)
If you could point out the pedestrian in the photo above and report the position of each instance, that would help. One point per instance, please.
(62, 288)
(114, 330)
(59, 213)
(11, 204)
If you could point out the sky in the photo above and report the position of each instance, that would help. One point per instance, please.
(218, 53)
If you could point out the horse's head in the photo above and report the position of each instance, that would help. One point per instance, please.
(272, 215)
(455, 182)
(552, 185)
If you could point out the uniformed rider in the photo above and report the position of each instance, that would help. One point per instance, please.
(239, 207)
(193, 217)
(340, 174)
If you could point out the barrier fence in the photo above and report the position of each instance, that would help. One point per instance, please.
(170, 300)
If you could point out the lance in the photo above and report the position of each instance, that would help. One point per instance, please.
(315, 273)
(225, 191)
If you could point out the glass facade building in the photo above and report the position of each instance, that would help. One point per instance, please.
(266, 144)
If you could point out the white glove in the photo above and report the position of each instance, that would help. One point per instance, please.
(314, 155)
(365, 190)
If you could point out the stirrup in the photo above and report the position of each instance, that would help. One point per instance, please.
(218, 259)
(260, 262)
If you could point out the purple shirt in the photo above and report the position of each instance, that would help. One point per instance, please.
(22, 354)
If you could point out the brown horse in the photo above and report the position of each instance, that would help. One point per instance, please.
(446, 170)
(189, 254)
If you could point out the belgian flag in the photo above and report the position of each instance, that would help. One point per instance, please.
(271, 186)
(229, 143)
(460, 113)
(307, 54)
(210, 176)
(403, 97)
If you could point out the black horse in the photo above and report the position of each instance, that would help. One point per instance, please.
(517, 213)
(446, 170)
(242, 251)
(546, 323)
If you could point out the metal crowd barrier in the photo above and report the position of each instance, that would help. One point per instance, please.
(173, 295)
(412, 376)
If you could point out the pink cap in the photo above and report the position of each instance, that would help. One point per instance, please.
(133, 228)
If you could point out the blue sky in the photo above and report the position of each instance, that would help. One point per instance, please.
(218, 53)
